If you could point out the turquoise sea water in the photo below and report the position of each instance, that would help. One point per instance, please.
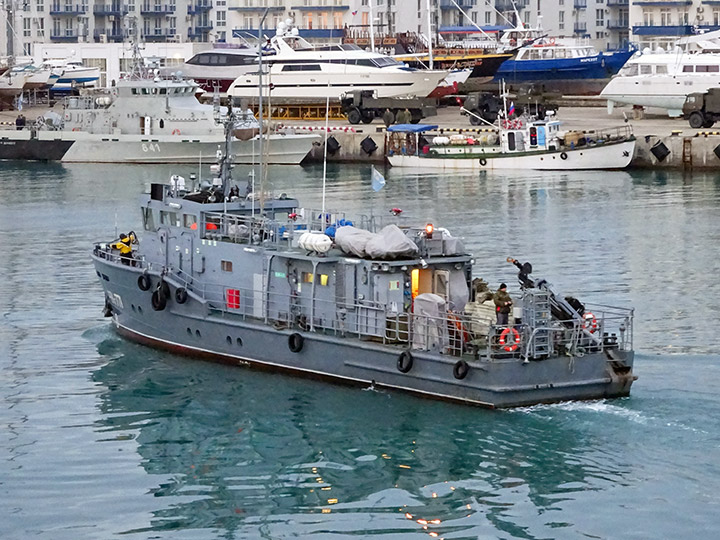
(101, 438)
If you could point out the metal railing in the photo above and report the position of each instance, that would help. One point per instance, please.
(466, 334)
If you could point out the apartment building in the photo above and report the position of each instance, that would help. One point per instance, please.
(659, 23)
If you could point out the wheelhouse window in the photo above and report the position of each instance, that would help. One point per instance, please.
(169, 218)
(190, 221)
(148, 220)
(226, 266)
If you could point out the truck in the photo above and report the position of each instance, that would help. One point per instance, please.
(362, 106)
(702, 109)
(487, 105)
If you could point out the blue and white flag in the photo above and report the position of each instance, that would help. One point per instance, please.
(378, 180)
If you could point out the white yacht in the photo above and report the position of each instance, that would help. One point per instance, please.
(663, 79)
(216, 68)
(299, 72)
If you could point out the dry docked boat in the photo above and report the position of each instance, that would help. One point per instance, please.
(299, 72)
(536, 145)
(313, 293)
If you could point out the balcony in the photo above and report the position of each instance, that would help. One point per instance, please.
(580, 28)
(156, 10)
(64, 9)
(662, 2)
(65, 36)
(200, 6)
(670, 31)
(319, 33)
(117, 10)
(111, 35)
(579, 4)
(160, 35)
(616, 3)
(447, 4)
(622, 24)
(199, 31)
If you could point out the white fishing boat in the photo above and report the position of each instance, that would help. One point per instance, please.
(536, 145)
(300, 72)
(70, 73)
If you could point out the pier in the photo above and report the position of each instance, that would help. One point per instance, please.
(662, 142)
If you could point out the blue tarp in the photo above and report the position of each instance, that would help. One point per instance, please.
(411, 128)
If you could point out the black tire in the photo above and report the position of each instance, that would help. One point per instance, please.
(159, 300)
(354, 116)
(696, 120)
(709, 123)
(367, 117)
(165, 288)
(181, 295)
(296, 342)
(405, 362)
(144, 282)
(563, 155)
(415, 119)
(474, 120)
(483, 162)
(460, 369)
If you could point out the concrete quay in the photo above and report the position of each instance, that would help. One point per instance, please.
(687, 148)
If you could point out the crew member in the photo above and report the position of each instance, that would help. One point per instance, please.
(124, 245)
(388, 117)
(503, 305)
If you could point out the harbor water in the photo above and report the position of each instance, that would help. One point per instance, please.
(101, 438)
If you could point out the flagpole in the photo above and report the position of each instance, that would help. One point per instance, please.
(327, 128)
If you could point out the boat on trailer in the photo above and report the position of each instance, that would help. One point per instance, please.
(515, 144)
(259, 281)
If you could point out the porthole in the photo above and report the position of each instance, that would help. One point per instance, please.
(239, 341)
(140, 309)
(189, 331)
(132, 306)
(197, 334)
(229, 340)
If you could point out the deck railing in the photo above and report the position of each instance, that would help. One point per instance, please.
(466, 334)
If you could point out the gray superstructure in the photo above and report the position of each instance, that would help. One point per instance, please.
(388, 306)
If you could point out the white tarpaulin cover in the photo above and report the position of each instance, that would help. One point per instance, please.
(429, 323)
(389, 243)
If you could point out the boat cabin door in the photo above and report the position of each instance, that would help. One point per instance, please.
(185, 255)
(145, 125)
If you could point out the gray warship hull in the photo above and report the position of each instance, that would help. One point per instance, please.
(81, 147)
(201, 329)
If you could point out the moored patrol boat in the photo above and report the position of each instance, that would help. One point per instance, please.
(259, 281)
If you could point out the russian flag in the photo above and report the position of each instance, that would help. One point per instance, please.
(511, 111)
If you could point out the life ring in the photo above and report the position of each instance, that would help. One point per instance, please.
(510, 345)
(460, 369)
(159, 300)
(181, 295)
(296, 342)
(590, 322)
(76, 129)
(176, 131)
(405, 362)
(563, 155)
(144, 282)
(551, 41)
(483, 161)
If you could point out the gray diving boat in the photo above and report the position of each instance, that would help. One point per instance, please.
(247, 281)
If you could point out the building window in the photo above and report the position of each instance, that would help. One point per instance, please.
(600, 17)
(26, 27)
(40, 27)
(648, 19)
(488, 17)
(40, 6)
(665, 17)
(716, 17)
(561, 20)
(247, 22)
(221, 18)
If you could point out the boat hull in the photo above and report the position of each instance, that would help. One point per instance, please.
(194, 328)
(608, 156)
(80, 147)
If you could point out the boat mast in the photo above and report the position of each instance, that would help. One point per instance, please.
(260, 110)
(9, 6)
(429, 23)
(372, 27)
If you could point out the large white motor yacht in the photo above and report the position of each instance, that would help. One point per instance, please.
(663, 79)
(300, 72)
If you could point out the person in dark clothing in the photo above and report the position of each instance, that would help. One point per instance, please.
(503, 305)
(20, 122)
(388, 117)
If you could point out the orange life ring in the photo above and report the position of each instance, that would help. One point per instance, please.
(551, 41)
(76, 129)
(512, 344)
(176, 131)
(590, 324)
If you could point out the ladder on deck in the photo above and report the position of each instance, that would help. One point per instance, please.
(536, 314)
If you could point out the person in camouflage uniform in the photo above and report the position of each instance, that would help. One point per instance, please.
(503, 305)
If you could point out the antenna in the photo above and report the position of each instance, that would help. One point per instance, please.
(430, 51)
(327, 114)
(260, 107)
